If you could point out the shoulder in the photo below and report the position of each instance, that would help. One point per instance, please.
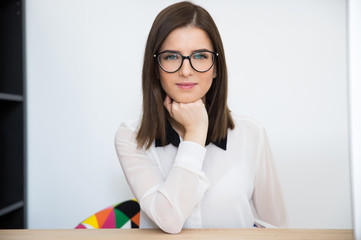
(127, 131)
(248, 134)
(130, 124)
(245, 122)
(246, 129)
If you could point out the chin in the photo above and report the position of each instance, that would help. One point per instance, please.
(188, 99)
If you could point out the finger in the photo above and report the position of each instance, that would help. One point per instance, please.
(176, 106)
(168, 104)
(167, 100)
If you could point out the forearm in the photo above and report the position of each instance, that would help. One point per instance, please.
(170, 206)
(167, 200)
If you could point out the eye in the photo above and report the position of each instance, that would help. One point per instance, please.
(200, 55)
(170, 56)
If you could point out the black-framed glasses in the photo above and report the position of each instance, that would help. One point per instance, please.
(172, 61)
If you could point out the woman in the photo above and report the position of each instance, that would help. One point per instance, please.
(189, 162)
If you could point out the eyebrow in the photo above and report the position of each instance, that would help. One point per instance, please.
(193, 51)
(202, 49)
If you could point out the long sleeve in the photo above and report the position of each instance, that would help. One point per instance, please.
(167, 200)
(268, 202)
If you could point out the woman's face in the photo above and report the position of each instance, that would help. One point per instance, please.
(187, 85)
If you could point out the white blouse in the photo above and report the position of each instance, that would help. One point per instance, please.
(204, 187)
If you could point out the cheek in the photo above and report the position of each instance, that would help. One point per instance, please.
(208, 81)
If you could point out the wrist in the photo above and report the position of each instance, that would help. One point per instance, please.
(197, 135)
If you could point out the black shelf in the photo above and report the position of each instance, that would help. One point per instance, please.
(12, 116)
(11, 97)
(11, 47)
(11, 208)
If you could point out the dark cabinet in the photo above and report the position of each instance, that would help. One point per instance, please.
(12, 115)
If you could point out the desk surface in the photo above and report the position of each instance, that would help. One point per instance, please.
(209, 234)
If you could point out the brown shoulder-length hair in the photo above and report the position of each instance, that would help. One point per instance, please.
(153, 123)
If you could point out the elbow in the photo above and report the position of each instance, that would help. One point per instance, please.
(167, 218)
(171, 229)
(169, 223)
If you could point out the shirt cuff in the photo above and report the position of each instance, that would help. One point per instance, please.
(190, 156)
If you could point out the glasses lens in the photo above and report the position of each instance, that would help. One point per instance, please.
(169, 61)
(202, 61)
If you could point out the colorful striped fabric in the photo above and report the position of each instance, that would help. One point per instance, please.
(121, 215)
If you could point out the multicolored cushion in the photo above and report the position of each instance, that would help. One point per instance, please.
(121, 215)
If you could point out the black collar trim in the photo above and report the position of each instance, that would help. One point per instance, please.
(172, 137)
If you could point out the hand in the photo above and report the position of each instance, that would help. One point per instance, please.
(192, 116)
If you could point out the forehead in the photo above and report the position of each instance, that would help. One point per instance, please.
(186, 40)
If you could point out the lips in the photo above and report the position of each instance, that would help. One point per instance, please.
(187, 85)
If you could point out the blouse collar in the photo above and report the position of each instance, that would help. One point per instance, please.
(173, 138)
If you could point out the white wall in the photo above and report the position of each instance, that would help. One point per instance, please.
(354, 59)
(287, 69)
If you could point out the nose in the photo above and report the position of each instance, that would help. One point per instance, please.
(186, 69)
